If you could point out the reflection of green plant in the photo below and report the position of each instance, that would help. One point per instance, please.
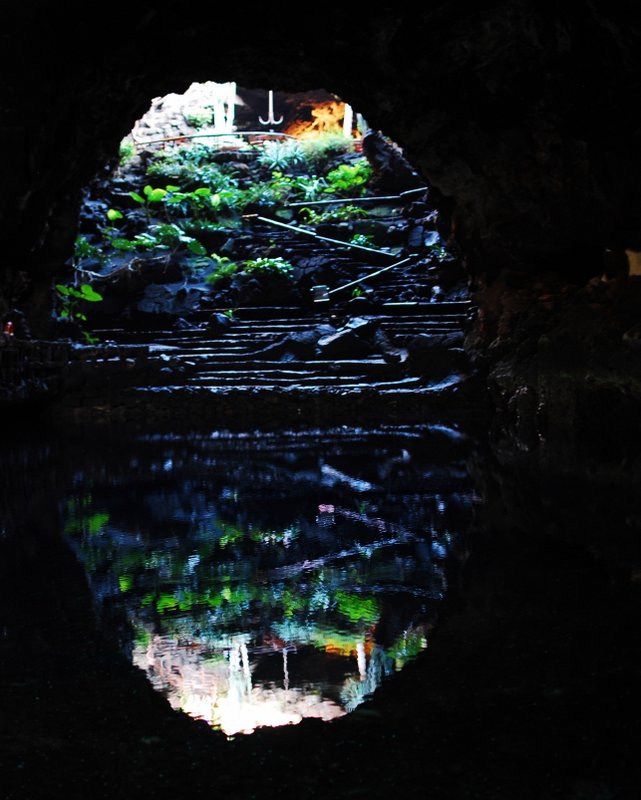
(142, 637)
(408, 646)
(81, 518)
(357, 608)
(292, 602)
(231, 534)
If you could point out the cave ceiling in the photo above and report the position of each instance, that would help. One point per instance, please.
(523, 120)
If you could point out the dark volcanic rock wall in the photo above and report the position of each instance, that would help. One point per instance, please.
(523, 120)
(523, 117)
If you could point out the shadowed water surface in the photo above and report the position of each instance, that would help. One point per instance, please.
(261, 579)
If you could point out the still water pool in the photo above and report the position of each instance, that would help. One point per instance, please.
(261, 579)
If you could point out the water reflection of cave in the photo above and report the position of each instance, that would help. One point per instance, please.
(224, 686)
(257, 581)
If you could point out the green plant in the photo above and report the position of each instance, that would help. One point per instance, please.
(256, 266)
(199, 202)
(191, 173)
(149, 197)
(439, 252)
(321, 151)
(281, 155)
(297, 187)
(84, 250)
(126, 152)
(364, 239)
(164, 236)
(343, 213)
(267, 266)
(349, 180)
(71, 299)
(224, 268)
(197, 153)
(199, 117)
(358, 292)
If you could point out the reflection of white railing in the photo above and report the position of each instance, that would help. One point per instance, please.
(221, 691)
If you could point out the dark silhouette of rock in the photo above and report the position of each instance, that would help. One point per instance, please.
(355, 339)
(393, 173)
(296, 345)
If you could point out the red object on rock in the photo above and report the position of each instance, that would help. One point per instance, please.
(8, 328)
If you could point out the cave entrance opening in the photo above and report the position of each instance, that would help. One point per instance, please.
(242, 227)
(334, 210)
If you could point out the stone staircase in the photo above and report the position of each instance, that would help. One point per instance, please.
(267, 361)
(233, 357)
(195, 376)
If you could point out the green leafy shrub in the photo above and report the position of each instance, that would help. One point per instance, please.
(164, 236)
(268, 266)
(281, 155)
(190, 174)
(343, 213)
(363, 239)
(149, 197)
(349, 180)
(199, 117)
(290, 188)
(83, 250)
(70, 300)
(224, 268)
(321, 151)
(251, 267)
(126, 152)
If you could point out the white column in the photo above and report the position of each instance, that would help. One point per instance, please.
(348, 121)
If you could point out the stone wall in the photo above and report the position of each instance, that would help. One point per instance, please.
(522, 119)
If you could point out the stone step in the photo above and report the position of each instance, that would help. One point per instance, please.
(222, 361)
(244, 336)
(426, 309)
(241, 380)
(292, 369)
